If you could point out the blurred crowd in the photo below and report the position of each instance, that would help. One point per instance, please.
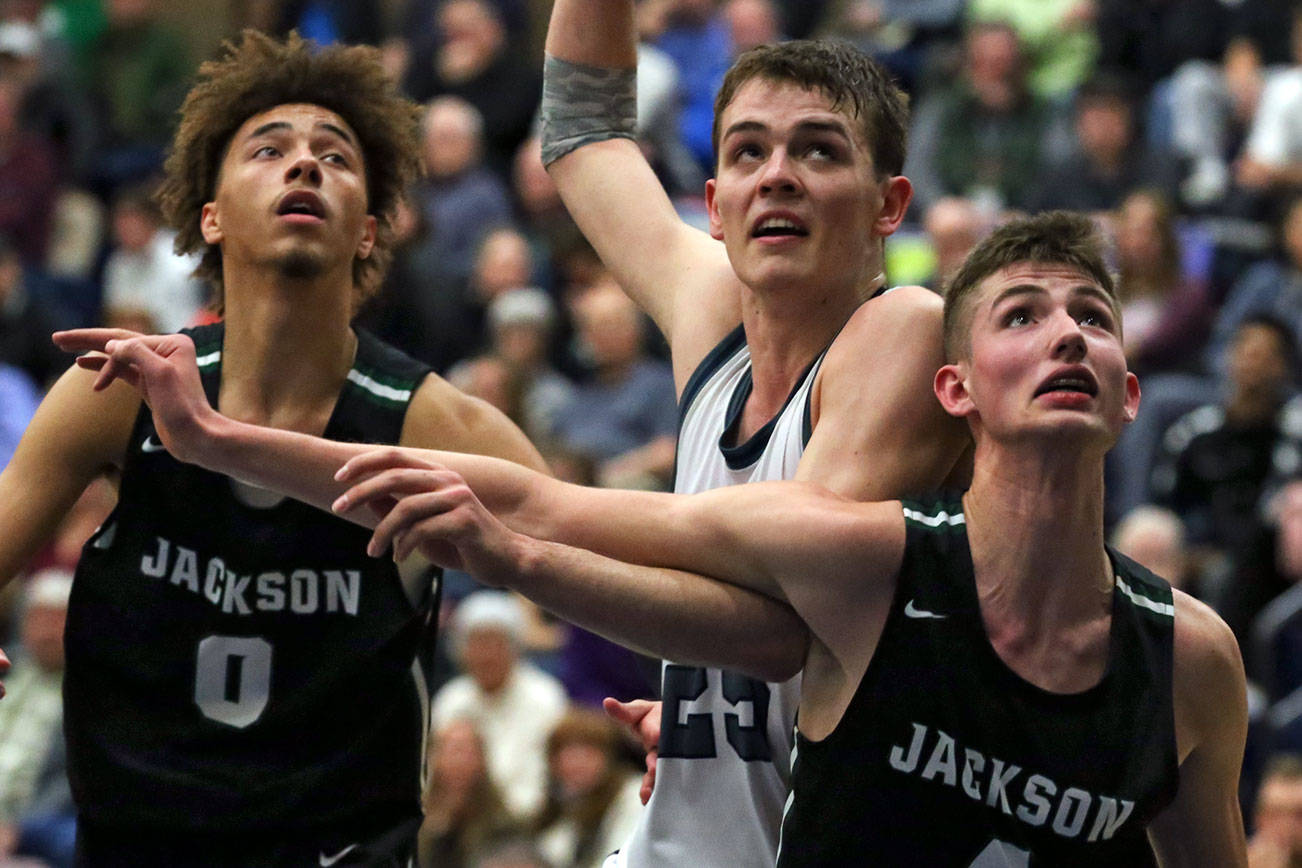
(1177, 124)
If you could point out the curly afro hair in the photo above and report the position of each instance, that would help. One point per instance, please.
(258, 73)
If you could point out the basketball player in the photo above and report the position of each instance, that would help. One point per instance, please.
(985, 684)
(784, 366)
(244, 686)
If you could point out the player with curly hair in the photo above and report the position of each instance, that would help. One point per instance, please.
(244, 685)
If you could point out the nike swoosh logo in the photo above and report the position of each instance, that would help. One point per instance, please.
(152, 445)
(913, 611)
(326, 861)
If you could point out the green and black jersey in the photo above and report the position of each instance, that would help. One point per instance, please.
(237, 666)
(946, 757)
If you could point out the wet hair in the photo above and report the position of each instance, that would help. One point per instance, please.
(853, 82)
(1061, 238)
(258, 73)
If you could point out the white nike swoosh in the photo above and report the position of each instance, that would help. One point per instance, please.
(152, 445)
(913, 611)
(326, 861)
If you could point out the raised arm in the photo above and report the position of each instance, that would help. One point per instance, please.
(679, 275)
(1204, 825)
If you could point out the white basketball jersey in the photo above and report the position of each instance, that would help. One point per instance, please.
(725, 740)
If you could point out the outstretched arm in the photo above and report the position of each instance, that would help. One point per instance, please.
(825, 556)
(679, 275)
(162, 369)
(743, 630)
(1204, 825)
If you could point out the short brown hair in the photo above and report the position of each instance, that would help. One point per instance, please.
(1053, 238)
(258, 73)
(850, 79)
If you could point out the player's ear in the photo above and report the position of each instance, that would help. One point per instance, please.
(210, 224)
(712, 208)
(367, 242)
(950, 386)
(1132, 397)
(897, 192)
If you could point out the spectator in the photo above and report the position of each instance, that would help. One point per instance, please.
(1146, 40)
(28, 180)
(421, 309)
(511, 704)
(1110, 157)
(751, 23)
(25, 322)
(1272, 156)
(491, 379)
(953, 226)
(1214, 462)
(468, 56)
(697, 39)
(1058, 36)
(19, 398)
(459, 200)
(592, 797)
(139, 72)
(521, 323)
(31, 716)
(1272, 287)
(50, 106)
(148, 287)
(503, 261)
(1277, 837)
(626, 415)
(1167, 312)
(463, 808)
(982, 136)
(1154, 537)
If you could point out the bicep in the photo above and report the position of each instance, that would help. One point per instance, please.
(1204, 825)
(76, 435)
(441, 417)
(880, 433)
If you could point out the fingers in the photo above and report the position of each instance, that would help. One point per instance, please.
(86, 340)
(377, 460)
(407, 513)
(649, 779)
(393, 484)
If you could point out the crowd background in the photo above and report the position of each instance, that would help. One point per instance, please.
(1176, 123)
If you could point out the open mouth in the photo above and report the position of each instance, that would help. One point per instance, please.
(301, 202)
(1075, 383)
(779, 227)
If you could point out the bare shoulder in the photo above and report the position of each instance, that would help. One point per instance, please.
(899, 325)
(441, 416)
(1210, 686)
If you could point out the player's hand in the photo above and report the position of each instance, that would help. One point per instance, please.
(4, 667)
(643, 718)
(426, 507)
(161, 367)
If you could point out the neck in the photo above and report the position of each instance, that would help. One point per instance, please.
(288, 348)
(1035, 523)
(786, 331)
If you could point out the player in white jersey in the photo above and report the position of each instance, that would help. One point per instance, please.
(810, 139)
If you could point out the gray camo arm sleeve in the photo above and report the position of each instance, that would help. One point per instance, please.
(583, 104)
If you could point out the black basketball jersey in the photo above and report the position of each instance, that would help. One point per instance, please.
(946, 757)
(236, 663)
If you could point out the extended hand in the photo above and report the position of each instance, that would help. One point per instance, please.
(643, 718)
(428, 508)
(161, 367)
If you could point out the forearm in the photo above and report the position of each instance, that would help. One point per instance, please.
(593, 32)
(664, 613)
